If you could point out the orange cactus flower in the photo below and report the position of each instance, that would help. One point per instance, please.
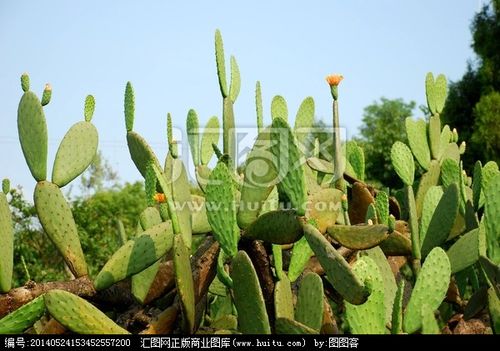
(334, 79)
(160, 197)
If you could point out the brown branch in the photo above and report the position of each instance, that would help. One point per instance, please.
(16, 298)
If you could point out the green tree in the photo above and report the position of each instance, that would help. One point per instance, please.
(383, 124)
(482, 78)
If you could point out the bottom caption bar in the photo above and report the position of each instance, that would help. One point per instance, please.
(251, 342)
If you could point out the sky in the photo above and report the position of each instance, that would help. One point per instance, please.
(166, 49)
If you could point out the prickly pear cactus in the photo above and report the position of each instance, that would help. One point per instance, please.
(136, 255)
(248, 299)
(222, 213)
(7, 239)
(276, 227)
(289, 165)
(309, 309)
(417, 138)
(23, 318)
(369, 317)
(283, 299)
(359, 237)
(184, 283)
(78, 315)
(430, 288)
(402, 161)
(57, 220)
(301, 253)
(32, 129)
(338, 271)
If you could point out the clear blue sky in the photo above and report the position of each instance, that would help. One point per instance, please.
(166, 48)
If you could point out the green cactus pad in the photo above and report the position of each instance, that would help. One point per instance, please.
(184, 283)
(221, 209)
(494, 309)
(278, 261)
(258, 106)
(289, 326)
(369, 317)
(320, 165)
(324, 206)
(397, 309)
(202, 176)
(289, 165)
(338, 271)
(283, 299)
(228, 130)
(301, 253)
(390, 287)
(436, 92)
(279, 108)
(7, 247)
(136, 255)
(442, 220)
(451, 151)
(492, 218)
(193, 133)
(444, 140)
(78, 315)
(276, 227)
(199, 219)
(182, 198)
(141, 282)
(32, 129)
(304, 121)
(356, 158)
(89, 108)
(371, 214)
(25, 82)
(309, 309)
(359, 237)
(382, 206)
(221, 63)
(396, 244)
(450, 172)
(430, 288)
(57, 220)
(428, 180)
(429, 323)
(465, 251)
(258, 180)
(46, 95)
(129, 107)
(210, 136)
(416, 131)
(248, 298)
(140, 152)
(5, 186)
(435, 136)
(76, 152)
(24, 317)
(234, 88)
(402, 161)
(431, 200)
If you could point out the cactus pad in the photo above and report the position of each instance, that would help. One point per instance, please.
(57, 220)
(210, 136)
(309, 309)
(78, 315)
(24, 317)
(430, 288)
(359, 237)
(369, 317)
(140, 152)
(417, 138)
(465, 251)
(248, 298)
(76, 152)
(184, 283)
(32, 129)
(221, 209)
(338, 271)
(402, 161)
(136, 255)
(279, 108)
(289, 165)
(301, 253)
(277, 227)
(7, 240)
(283, 298)
(193, 133)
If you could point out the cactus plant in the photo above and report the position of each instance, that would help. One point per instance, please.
(277, 227)
(283, 299)
(7, 239)
(248, 299)
(78, 315)
(23, 318)
(430, 288)
(309, 309)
